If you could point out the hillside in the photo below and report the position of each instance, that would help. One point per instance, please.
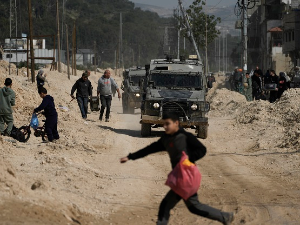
(95, 21)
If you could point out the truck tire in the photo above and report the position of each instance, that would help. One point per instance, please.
(146, 130)
(202, 131)
(130, 110)
(124, 104)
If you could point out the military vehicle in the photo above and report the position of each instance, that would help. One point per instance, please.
(131, 98)
(176, 86)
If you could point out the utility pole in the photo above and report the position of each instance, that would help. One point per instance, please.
(31, 42)
(206, 58)
(95, 67)
(223, 49)
(245, 37)
(68, 53)
(190, 30)
(219, 54)
(121, 41)
(16, 19)
(58, 37)
(74, 70)
(178, 48)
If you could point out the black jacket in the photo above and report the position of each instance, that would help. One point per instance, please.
(48, 106)
(256, 83)
(84, 88)
(174, 145)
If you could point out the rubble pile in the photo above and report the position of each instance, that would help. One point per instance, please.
(284, 115)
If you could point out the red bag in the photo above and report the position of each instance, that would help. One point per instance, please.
(185, 178)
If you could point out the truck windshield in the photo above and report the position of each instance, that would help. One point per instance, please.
(136, 80)
(176, 80)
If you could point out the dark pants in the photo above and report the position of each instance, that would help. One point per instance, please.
(273, 96)
(105, 103)
(83, 106)
(192, 204)
(51, 128)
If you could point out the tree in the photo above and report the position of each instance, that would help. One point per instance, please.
(197, 19)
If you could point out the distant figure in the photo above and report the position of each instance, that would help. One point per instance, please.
(50, 113)
(174, 142)
(257, 86)
(84, 91)
(238, 80)
(105, 84)
(283, 84)
(41, 79)
(273, 80)
(248, 87)
(7, 100)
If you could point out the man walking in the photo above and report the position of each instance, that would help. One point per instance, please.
(273, 80)
(174, 141)
(248, 87)
(84, 91)
(7, 100)
(257, 91)
(105, 84)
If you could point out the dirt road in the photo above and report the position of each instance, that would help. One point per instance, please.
(79, 179)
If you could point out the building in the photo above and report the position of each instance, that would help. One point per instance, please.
(266, 37)
(291, 33)
(85, 57)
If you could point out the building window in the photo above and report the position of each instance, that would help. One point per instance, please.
(8, 56)
(293, 36)
(290, 36)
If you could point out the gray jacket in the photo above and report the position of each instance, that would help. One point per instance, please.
(105, 86)
(7, 100)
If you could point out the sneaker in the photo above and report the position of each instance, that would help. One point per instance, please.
(106, 120)
(228, 218)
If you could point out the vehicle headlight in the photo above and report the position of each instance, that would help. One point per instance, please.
(137, 95)
(204, 106)
(156, 105)
(194, 107)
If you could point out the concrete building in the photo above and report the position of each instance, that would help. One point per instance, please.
(291, 34)
(85, 57)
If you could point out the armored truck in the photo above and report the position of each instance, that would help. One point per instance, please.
(131, 97)
(176, 86)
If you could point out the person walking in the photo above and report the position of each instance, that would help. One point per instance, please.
(50, 113)
(248, 87)
(283, 84)
(238, 80)
(105, 84)
(84, 90)
(7, 100)
(41, 79)
(257, 86)
(174, 141)
(273, 80)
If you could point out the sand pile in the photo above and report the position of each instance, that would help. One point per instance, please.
(225, 102)
(283, 116)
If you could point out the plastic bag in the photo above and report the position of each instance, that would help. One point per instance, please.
(185, 178)
(34, 123)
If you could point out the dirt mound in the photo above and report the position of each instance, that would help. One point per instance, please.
(283, 116)
(225, 102)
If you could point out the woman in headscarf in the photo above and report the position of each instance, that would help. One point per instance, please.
(283, 84)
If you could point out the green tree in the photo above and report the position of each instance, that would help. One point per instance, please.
(198, 19)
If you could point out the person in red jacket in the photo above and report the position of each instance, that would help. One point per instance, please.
(174, 141)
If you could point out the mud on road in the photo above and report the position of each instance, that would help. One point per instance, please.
(79, 179)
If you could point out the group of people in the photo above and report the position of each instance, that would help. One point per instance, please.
(84, 91)
(258, 86)
(175, 140)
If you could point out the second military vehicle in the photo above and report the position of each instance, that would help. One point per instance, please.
(131, 98)
(175, 86)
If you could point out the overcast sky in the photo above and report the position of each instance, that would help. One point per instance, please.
(173, 3)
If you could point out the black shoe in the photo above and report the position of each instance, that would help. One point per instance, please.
(228, 218)
(106, 120)
(100, 118)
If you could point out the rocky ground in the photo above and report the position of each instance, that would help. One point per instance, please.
(252, 165)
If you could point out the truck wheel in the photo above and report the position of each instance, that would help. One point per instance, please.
(202, 132)
(146, 130)
(124, 105)
(131, 110)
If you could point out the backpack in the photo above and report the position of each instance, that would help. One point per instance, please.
(17, 134)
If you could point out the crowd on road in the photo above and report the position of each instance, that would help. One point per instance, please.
(259, 86)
